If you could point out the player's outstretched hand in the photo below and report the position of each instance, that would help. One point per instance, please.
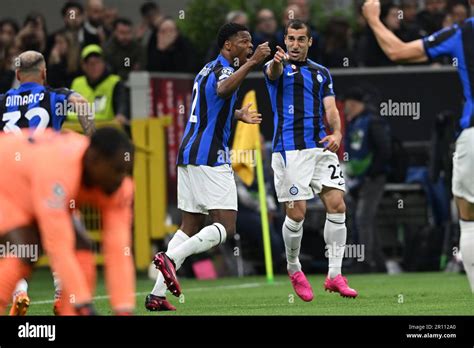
(280, 55)
(333, 142)
(262, 52)
(371, 10)
(250, 116)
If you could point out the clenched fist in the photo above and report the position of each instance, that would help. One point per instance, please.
(262, 52)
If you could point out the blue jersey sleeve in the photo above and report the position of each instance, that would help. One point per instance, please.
(443, 42)
(328, 87)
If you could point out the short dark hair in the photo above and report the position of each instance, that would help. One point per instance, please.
(70, 4)
(227, 31)
(11, 22)
(461, 3)
(386, 8)
(298, 24)
(122, 20)
(147, 7)
(110, 141)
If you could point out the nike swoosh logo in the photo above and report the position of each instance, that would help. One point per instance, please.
(291, 74)
(199, 238)
(340, 183)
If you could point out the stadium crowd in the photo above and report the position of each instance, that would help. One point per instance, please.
(156, 43)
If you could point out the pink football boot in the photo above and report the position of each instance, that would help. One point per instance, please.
(302, 286)
(339, 284)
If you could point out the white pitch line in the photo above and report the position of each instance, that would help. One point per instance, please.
(219, 287)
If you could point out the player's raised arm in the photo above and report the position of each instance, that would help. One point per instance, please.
(227, 87)
(248, 116)
(84, 114)
(394, 48)
(275, 68)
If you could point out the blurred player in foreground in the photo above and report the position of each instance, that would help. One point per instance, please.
(456, 42)
(43, 177)
(304, 160)
(206, 184)
(33, 105)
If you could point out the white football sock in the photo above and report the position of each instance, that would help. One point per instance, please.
(467, 249)
(160, 287)
(292, 234)
(335, 233)
(22, 285)
(208, 237)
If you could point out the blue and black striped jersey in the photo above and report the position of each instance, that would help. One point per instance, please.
(32, 105)
(297, 105)
(457, 42)
(206, 136)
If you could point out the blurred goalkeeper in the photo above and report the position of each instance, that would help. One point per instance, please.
(34, 105)
(43, 177)
(456, 42)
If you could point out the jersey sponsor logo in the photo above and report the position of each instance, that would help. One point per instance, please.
(293, 190)
(18, 100)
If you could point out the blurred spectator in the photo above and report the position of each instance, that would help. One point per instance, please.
(368, 145)
(370, 52)
(239, 17)
(304, 8)
(266, 29)
(8, 30)
(122, 52)
(289, 13)
(33, 35)
(172, 52)
(150, 18)
(104, 89)
(8, 50)
(93, 26)
(410, 28)
(447, 20)
(337, 45)
(73, 17)
(459, 12)
(63, 62)
(294, 11)
(431, 18)
(110, 16)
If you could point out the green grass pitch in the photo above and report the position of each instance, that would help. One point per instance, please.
(379, 294)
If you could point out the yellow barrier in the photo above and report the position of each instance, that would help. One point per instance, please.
(150, 186)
